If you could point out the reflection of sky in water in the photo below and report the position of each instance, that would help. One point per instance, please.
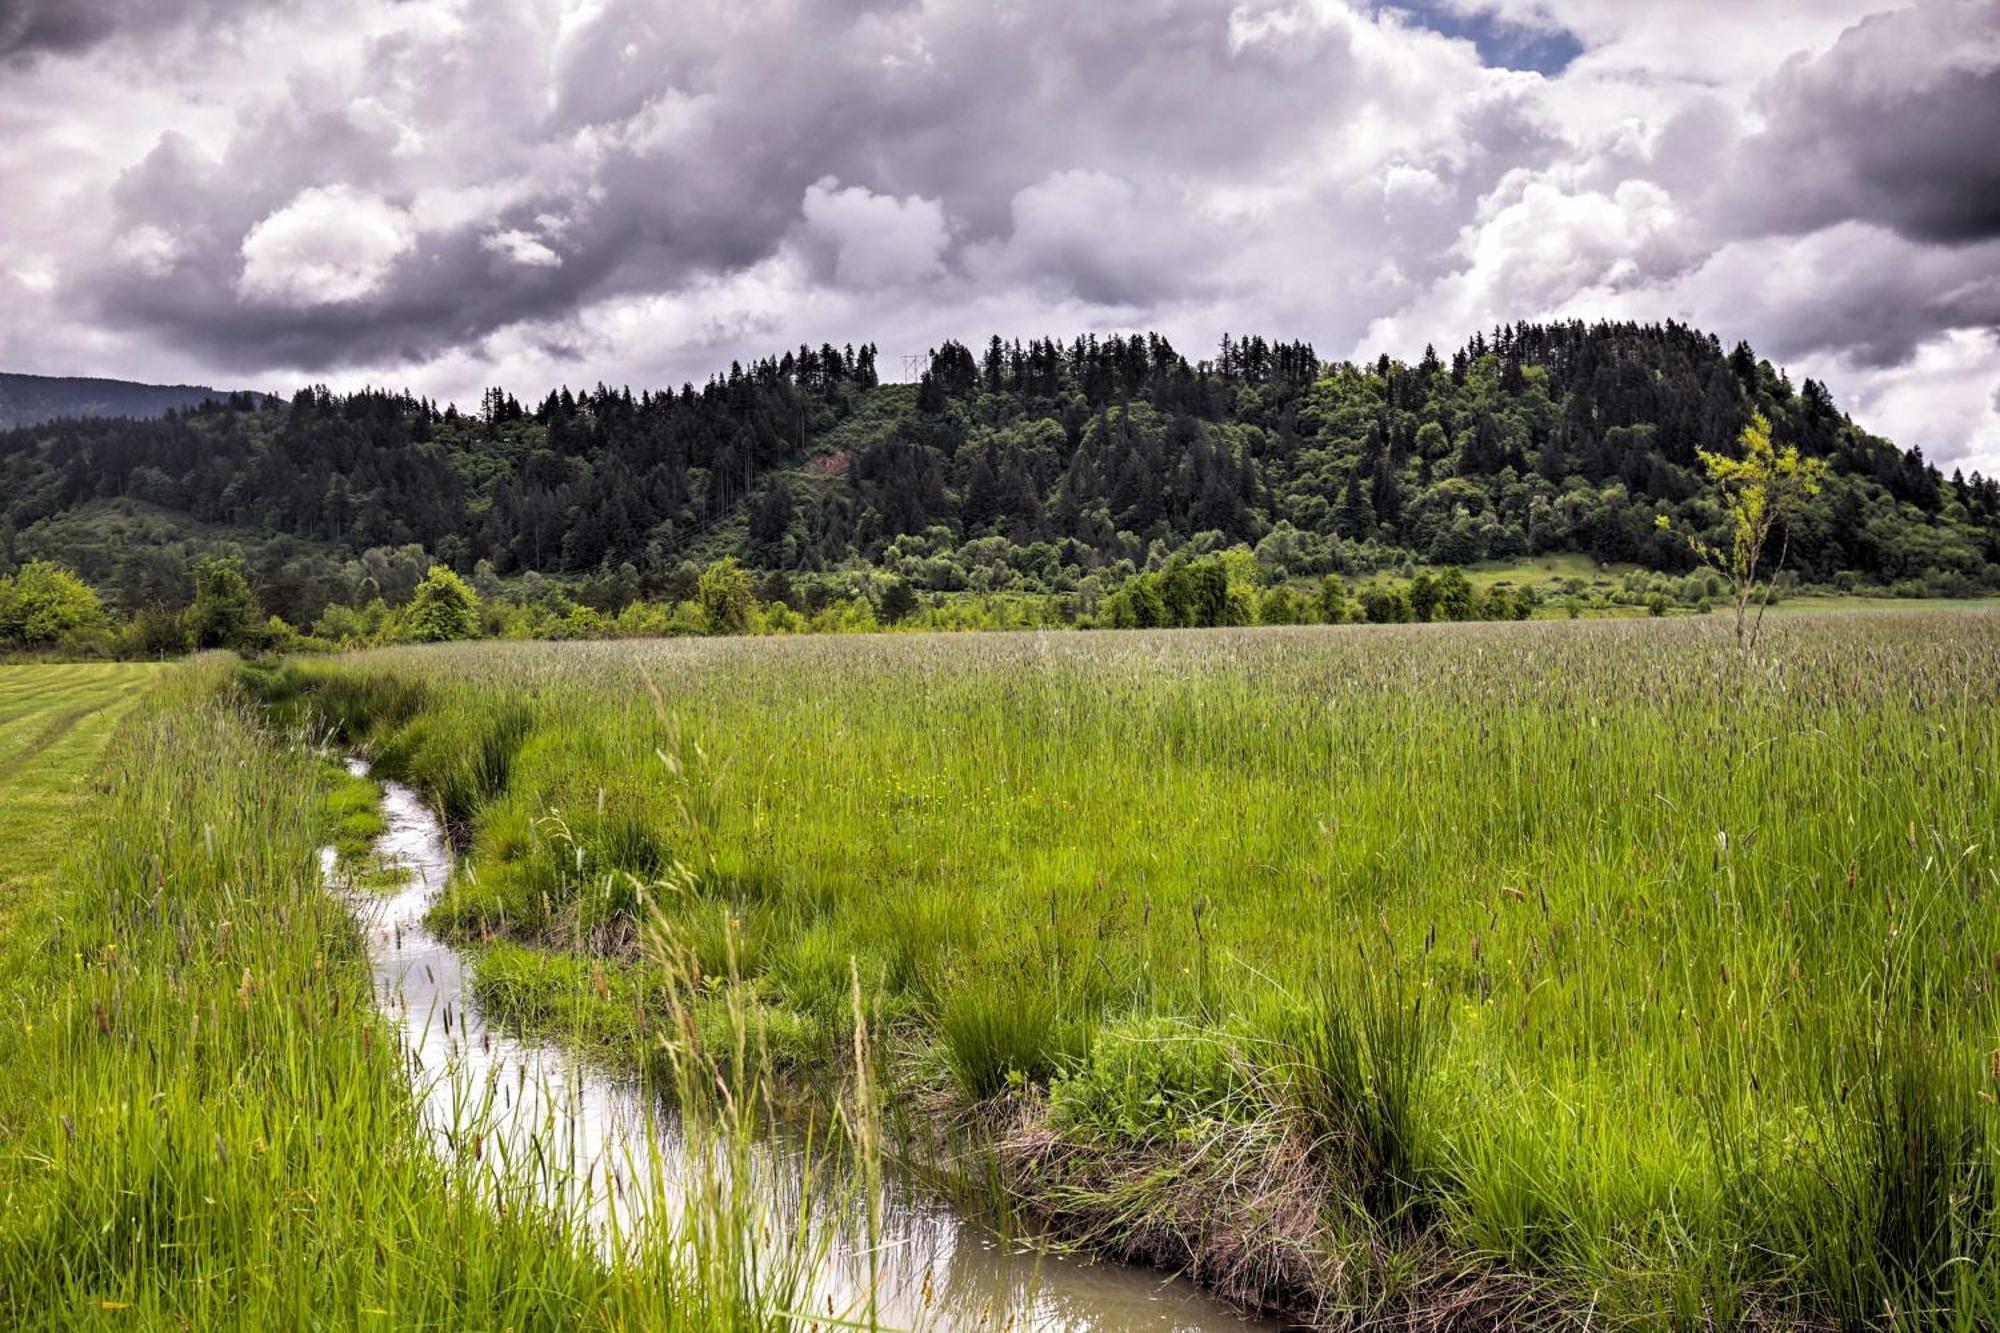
(584, 1139)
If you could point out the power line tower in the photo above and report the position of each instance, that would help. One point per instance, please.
(913, 368)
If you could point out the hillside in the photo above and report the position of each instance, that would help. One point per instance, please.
(28, 400)
(1044, 466)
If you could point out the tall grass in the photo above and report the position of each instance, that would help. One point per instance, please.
(219, 1130)
(1675, 986)
(1362, 1049)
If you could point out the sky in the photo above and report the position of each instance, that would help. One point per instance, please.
(448, 194)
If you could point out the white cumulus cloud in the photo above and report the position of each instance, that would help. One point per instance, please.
(875, 240)
(329, 245)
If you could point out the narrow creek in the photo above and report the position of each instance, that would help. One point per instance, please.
(574, 1133)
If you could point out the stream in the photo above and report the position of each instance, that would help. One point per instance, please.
(580, 1137)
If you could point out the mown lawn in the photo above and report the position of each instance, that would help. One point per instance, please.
(54, 723)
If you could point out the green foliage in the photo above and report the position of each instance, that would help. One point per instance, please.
(445, 607)
(899, 601)
(1455, 597)
(997, 1035)
(1054, 477)
(1150, 1079)
(1423, 596)
(225, 613)
(1330, 600)
(45, 605)
(726, 597)
(1383, 605)
(1762, 490)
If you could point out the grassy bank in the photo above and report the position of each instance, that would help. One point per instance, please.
(1453, 972)
(205, 1121)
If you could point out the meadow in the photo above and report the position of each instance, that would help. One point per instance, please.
(204, 1121)
(1554, 973)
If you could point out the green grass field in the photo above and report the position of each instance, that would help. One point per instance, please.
(1567, 971)
(1551, 973)
(203, 1119)
(54, 724)
(53, 729)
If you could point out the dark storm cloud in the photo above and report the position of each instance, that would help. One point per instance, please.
(29, 28)
(463, 192)
(1864, 293)
(1897, 124)
(672, 144)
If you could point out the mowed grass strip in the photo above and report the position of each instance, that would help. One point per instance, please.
(54, 723)
(1461, 971)
(55, 720)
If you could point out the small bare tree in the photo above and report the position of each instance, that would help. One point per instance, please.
(1760, 491)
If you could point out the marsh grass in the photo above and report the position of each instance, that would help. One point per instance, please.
(218, 1131)
(1360, 1050)
(1596, 961)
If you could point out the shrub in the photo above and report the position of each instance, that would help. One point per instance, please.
(153, 631)
(225, 613)
(445, 607)
(726, 597)
(1385, 606)
(45, 604)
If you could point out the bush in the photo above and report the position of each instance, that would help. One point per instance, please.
(45, 604)
(1385, 606)
(726, 597)
(225, 613)
(1331, 601)
(899, 602)
(153, 632)
(444, 608)
(1280, 606)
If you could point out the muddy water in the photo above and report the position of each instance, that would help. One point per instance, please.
(578, 1137)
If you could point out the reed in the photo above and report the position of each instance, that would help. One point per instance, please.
(1554, 938)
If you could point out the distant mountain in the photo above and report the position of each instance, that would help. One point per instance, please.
(26, 400)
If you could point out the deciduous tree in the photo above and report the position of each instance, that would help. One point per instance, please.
(1761, 489)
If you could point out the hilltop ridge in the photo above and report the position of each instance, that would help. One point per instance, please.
(1037, 466)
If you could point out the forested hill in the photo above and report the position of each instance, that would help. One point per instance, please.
(1040, 465)
(27, 400)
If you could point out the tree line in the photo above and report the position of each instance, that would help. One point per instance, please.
(1038, 468)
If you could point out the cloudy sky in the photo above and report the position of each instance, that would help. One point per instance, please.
(445, 194)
